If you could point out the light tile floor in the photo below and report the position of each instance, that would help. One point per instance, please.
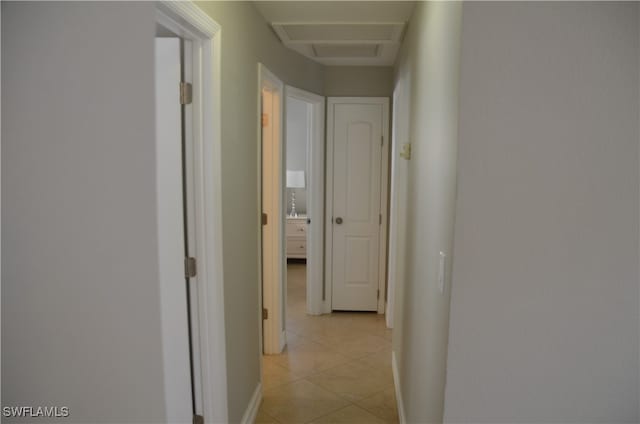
(335, 369)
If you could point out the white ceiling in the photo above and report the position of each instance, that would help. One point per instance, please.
(340, 32)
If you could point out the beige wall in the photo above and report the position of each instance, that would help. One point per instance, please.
(80, 302)
(80, 293)
(545, 313)
(246, 40)
(427, 70)
(360, 81)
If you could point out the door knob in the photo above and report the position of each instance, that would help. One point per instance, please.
(338, 220)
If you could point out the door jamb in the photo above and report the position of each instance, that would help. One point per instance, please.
(315, 197)
(384, 190)
(272, 328)
(191, 23)
(396, 238)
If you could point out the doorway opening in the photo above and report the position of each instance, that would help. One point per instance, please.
(292, 202)
(305, 175)
(337, 260)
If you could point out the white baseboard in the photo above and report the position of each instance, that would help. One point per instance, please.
(396, 382)
(250, 414)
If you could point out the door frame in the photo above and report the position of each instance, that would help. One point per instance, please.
(395, 239)
(204, 201)
(316, 297)
(384, 193)
(272, 285)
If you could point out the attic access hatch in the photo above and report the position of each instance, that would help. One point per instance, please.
(368, 44)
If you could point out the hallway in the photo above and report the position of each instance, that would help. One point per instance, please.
(336, 368)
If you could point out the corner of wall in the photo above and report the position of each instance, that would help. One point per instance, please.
(429, 65)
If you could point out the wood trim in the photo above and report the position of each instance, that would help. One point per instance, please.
(192, 17)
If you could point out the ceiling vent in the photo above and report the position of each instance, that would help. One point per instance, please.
(343, 43)
(340, 32)
(345, 50)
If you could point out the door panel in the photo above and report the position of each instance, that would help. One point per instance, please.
(357, 153)
(173, 294)
(269, 249)
(358, 173)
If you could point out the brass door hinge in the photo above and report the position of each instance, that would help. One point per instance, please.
(378, 294)
(265, 313)
(186, 93)
(265, 119)
(264, 219)
(405, 152)
(190, 267)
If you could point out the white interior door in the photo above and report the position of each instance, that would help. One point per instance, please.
(171, 248)
(357, 164)
(273, 206)
(270, 247)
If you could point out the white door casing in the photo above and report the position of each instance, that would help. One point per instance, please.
(398, 200)
(357, 155)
